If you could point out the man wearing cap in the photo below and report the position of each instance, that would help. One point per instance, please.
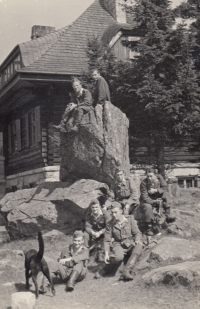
(72, 263)
(81, 103)
(126, 239)
(125, 192)
(153, 189)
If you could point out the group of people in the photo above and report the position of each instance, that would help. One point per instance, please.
(82, 102)
(115, 229)
(112, 228)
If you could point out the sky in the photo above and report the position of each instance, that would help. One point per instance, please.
(18, 16)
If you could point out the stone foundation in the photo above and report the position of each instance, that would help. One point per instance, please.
(32, 178)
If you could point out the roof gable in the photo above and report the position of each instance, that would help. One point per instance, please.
(67, 54)
(32, 50)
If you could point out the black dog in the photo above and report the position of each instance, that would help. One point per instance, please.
(34, 263)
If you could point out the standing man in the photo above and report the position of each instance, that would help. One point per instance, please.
(126, 240)
(102, 92)
(125, 192)
(81, 103)
(153, 189)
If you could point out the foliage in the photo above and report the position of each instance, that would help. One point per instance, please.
(159, 90)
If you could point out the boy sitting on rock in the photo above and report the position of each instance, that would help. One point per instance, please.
(72, 263)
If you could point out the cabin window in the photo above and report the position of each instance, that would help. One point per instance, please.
(34, 126)
(10, 69)
(25, 132)
(14, 136)
(132, 46)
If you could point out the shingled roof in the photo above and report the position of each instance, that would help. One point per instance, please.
(67, 54)
(33, 50)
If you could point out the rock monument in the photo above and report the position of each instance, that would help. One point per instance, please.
(99, 148)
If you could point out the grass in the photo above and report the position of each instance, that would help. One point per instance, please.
(108, 293)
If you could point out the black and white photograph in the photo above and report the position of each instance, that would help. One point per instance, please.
(100, 154)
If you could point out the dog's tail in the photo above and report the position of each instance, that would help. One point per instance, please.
(41, 246)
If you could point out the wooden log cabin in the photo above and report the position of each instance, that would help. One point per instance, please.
(35, 86)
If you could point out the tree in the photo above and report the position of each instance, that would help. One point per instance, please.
(159, 90)
(165, 78)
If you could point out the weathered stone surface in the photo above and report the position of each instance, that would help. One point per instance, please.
(22, 300)
(187, 224)
(4, 237)
(53, 205)
(171, 248)
(54, 235)
(187, 274)
(14, 199)
(99, 148)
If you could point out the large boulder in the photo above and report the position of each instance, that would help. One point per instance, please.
(99, 148)
(187, 274)
(171, 249)
(52, 205)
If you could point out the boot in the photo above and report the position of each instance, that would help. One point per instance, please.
(106, 269)
(127, 273)
(75, 128)
(169, 217)
(74, 276)
(60, 128)
(149, 229)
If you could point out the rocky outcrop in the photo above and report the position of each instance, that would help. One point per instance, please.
(171, 249)
(99, 148)
(186, 274)
(53, 205)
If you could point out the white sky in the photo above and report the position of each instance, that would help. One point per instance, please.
(18, 16)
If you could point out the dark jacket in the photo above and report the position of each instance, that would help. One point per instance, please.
(84, 101)
(101, 92)
(128, 231)
(160, 185)
(80, 255)
(95, 224)
(126, 191)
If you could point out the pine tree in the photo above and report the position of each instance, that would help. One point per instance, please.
(166, 81)
(159, 90)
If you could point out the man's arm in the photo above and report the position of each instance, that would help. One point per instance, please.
(87, 98)
(133, 199)
(135, 231)
(82, 256)
(107, 240)
(101, 92)
(163, 185)
(144, 194)
(88, 225)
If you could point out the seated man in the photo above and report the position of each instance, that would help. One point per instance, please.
(154, 188)
(72, 264)
(82, 103)
(125, 192)
(101, 92)
(126, 239)
(95, 224)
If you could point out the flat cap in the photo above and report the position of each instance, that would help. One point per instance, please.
(77, 234)
(116, 204)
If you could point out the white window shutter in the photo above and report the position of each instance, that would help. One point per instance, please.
(37, 122)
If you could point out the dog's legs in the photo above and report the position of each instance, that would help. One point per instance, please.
(27, 275)
(47, 275)
(34, 278)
